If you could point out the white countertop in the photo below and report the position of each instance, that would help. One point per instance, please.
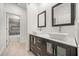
(69, 41)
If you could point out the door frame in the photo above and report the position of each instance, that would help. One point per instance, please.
(8, 14)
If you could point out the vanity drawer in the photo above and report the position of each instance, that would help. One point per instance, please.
(39, 40)
(38, 51)
(38, 45)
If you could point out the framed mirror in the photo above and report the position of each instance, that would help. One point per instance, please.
(63, 14)
(42, 19)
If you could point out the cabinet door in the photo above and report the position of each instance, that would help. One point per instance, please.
(33, 44)
(50, 48)
(32, 40)
(74, 51)
(62, 50)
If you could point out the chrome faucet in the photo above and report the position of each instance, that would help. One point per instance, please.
(40, 29)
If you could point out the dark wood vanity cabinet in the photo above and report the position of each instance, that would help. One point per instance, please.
(62, 50)
(37, 46)
(44, 47)
(58, 49)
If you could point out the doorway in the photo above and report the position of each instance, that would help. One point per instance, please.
(13, 27)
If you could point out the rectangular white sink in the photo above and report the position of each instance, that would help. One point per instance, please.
(59, 36)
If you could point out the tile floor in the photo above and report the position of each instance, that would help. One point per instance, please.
(16, 49)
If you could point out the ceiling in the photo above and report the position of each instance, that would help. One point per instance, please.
(22, 5)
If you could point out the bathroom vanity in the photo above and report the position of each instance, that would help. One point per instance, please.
(46, 46)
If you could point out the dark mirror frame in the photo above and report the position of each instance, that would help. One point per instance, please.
(72, 15)
(44, 19)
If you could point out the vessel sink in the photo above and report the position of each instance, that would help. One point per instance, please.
(60, 36)
(37, 32)
(44, 35)
(40, 33)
